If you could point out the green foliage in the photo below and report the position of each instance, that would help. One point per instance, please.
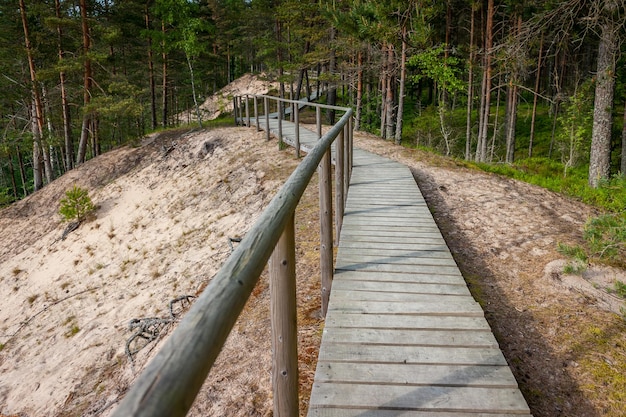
(5, 198)
(76, 205)
(619, 288)
(606, 238)
(433, 64)
(578, 255)
(605, 242)
(575, 122)
(610, 194)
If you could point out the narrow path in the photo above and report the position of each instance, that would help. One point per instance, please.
(403, 335)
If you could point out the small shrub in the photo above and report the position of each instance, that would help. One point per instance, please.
(76, 205)
(606, 237)
(619, 288)
(72, 331)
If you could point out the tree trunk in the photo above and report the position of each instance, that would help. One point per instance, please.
(331, 97)
(481, 151)
(37, 113)
(164, 89)
(511, 108)
(494, 134)
(600, 157)
(383, 92)
(535, 99)
(65, 108)
(389, 96)
(84, 132)
(20, 162)
(37, 155)
(470, 90)
(400, 114)
(46, 148)
(153, 109)
(12, 174)
(193, 91)
(359, 92)
(623, 164)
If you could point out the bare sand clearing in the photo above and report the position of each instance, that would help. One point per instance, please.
(161, 231)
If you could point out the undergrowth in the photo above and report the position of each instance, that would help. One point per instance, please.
(605, 242)
(610, 194)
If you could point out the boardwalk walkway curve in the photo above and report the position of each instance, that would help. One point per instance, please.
(403, 336)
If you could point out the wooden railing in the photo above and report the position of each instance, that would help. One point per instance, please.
(170, 382)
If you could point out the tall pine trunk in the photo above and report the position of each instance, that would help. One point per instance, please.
(535, 99)
(511, 108)
(481, 150)
(331, 97)
(359, 91)
(37, 110)
(84, 130)
(600, 157)
(164, 89)
(389, 99)
(383, 91)
(470, 90)
(400, 114)
(65, 108)
(153, 108)
(623, 164)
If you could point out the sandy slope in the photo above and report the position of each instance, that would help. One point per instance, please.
(161, 231)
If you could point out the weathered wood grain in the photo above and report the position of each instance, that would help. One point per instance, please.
(427, 398)
(403, 336)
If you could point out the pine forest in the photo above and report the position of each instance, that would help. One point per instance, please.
(491, 82)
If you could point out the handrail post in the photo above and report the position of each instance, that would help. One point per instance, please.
(279, 108)
(266, 103)
(256, 113)
(296, 117)
(284, 324)
(339, 182)
(318, 120)
(351, 148)
(346, 161)
(247, 111)
(326, 222)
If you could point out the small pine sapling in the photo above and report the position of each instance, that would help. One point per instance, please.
(76, 205)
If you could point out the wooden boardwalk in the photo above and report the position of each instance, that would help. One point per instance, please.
(403, 335)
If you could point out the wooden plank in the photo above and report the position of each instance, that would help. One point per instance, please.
(382, 252)
(341, 295)
(439, 245)
(354, 259)
(381, 321)
(403, 374)
(431, 232)
(425, 238)
(424, 269)
(404, 287)
(465, 308)
(369, 412)
(341, 352)
(421, 277)
(460, 399)
(391, 229)
(395, 337)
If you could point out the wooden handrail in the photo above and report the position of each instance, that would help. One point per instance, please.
(170, 382)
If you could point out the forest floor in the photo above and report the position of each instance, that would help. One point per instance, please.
(563, 335)
(166, 212)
